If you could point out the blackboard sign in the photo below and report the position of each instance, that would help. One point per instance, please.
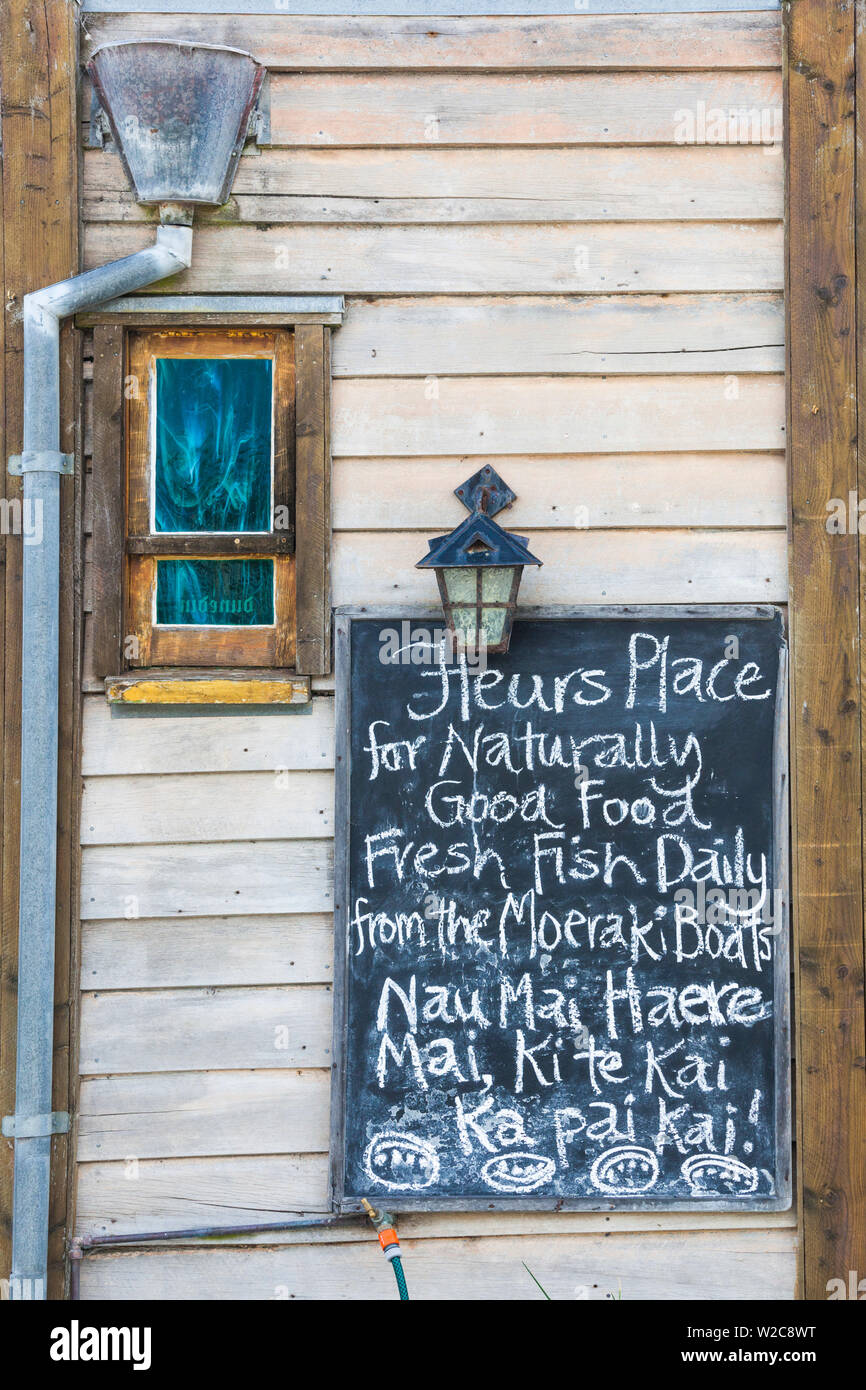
(561, 916)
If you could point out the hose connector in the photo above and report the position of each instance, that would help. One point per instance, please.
(389, 1243)
(383, 1223)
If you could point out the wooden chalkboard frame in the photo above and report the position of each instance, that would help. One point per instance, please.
(343, 619)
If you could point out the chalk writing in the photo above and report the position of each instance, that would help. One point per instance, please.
(562, 919)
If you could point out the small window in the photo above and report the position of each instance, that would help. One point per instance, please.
(210, 495)
(210, 498)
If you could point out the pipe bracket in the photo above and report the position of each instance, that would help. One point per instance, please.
(41, 461)
(36, 1126)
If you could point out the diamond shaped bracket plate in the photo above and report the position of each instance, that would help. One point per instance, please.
(485, 492)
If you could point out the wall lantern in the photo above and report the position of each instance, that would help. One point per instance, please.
(479, 567)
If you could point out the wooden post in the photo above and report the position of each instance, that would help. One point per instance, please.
(313, 498)
(826, 572)
(107, 493)
(38, 245)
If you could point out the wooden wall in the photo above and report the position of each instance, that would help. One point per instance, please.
(537, 274)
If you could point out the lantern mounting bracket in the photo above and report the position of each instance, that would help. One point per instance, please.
(485, 492)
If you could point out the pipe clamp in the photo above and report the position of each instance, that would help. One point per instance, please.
(41, 461)
(36, 1126)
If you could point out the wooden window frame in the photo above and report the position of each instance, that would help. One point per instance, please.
(124, 552)
(188, 644)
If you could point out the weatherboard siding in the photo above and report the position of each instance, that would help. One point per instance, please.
(539, 275)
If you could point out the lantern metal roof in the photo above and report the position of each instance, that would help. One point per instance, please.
(477, 542)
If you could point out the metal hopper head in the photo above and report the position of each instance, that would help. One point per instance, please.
(179, 114)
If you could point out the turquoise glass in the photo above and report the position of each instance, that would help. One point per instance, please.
(215, 593)
(214, 421)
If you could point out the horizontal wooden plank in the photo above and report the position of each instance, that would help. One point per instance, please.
(189, 1113)
(241, 878)
(599, 491)
(706, 1266)
(362, 111)
(584, 42)
(586, 334)
(640, 490)
(147, 953)
(582, 567)
(556, 415)
(610, 335)
(427, 7)
(633, 258)
(134, 743)
(175, 1194)
(309, 109)
(208, 1029)
(172, 1194)
(207, 807)
(480, 185)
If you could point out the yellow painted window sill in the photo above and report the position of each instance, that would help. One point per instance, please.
(208, 688)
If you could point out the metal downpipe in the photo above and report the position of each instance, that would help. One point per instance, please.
(41, 464)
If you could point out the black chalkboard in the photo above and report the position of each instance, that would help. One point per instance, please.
(561, 914)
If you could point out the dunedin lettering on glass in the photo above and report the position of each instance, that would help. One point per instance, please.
(226, 593)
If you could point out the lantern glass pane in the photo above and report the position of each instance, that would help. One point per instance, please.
(460, 584)
(465, 626)
(496, 583)
(493, 624)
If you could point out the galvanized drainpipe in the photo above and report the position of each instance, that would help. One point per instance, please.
(41, 464)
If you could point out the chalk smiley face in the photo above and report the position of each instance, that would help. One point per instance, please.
(710, 1173)
(625, 1171)
(401, 1162)
(517, 1172)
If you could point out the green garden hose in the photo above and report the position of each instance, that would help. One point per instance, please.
(397, 1264)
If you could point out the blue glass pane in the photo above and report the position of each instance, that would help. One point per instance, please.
(213, 444)
(215, 593)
